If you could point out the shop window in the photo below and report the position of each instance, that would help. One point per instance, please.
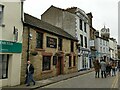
(74, 61)
(4, 66)
(39, 40)
(46, 63)
(70, 62)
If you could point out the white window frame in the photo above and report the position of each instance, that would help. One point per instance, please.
(1, 15)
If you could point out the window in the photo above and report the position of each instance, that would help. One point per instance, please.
(1, 14)
(70, 63)
(74, 61)
(39, 40)
(85, 27)
(4, 66)
(85, 42)
(80, 21)
(72, 46)
(46, 64)
(60, 44)
(81, 37)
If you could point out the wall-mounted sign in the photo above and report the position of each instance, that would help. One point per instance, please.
(10, 47)
(54, 60)
(51, 42)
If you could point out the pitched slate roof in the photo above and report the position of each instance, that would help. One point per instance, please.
(35, 22)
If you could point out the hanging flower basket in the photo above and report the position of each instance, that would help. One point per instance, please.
(34, 53)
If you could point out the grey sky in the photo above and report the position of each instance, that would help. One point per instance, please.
(105, 12)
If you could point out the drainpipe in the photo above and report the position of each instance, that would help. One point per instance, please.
(28, 43)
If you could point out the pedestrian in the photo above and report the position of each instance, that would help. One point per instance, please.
(103, 68)
(113, 68)
(97, 68)
(108, 69)
(29, 73)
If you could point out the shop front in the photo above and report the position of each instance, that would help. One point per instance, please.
(10, 62)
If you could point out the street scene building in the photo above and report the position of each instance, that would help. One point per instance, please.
(74, 21)
(61, 45)
(11, 43)
(51, 50)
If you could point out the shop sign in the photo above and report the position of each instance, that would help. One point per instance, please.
(10, 47)
(51, 42)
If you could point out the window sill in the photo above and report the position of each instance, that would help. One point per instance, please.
(47, 71)
(72, 67)
(39, 49)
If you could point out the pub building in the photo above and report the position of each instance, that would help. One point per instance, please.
(50, 49)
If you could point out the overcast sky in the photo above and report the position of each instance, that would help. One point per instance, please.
(105, 12)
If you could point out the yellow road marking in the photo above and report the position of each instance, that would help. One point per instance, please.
(114, 82)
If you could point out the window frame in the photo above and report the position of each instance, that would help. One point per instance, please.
(39, 39)
(43, 63)
(6, 68)
(1, 16)
(70, 61)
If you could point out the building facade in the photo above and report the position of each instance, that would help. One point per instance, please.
(92, 35)
(113, 49)
(102, 46)
(51, 50)
(11, 28)
(75, 22)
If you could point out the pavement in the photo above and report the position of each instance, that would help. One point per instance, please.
(49, 81)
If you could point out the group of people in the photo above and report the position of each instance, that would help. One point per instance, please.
(106, 68)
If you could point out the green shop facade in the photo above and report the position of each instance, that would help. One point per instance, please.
(10, 63)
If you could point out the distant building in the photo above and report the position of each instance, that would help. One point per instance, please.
(11, 28)
(113, 49)
(51, 50)
(102, 46)
(74, 21)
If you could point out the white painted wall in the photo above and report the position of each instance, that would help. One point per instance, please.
(11, 18)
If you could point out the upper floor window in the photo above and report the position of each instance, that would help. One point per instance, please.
(85, 27)
(81, 38)
(60, 44)
(80, 21)
(39, 40)
(72, 46)
(1, 14)
(85, 42)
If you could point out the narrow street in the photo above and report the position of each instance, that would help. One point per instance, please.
(87, 81)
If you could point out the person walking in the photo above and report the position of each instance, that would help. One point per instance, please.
(103, 68)
(29, 73)
(113, 69)
(97, 68)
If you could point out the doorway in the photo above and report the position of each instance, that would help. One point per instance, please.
(60, 66)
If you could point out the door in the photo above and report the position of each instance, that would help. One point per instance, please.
(60, 66)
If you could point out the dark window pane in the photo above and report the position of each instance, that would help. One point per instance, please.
(70, 61)
(74, 61)
(46, 63)
(39, 40)
(3, 66)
